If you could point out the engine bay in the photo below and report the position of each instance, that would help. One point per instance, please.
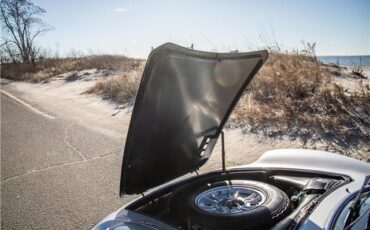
(274, 199)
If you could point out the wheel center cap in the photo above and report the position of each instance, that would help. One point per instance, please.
(234, 203)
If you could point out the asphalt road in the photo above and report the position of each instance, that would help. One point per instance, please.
(55, 173)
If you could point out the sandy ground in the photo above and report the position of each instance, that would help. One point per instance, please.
(63, 96)
(349, 82)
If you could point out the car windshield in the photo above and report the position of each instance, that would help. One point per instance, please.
(362, 222)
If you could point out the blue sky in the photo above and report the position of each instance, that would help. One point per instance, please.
(132, 27)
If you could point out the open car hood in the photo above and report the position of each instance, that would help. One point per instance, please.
(184, 99)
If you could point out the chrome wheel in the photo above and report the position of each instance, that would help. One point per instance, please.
(230, 199)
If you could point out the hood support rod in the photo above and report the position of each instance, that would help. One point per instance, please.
(223, 151)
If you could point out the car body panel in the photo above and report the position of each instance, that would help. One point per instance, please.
(313, 160)
(184, 99)
(298, 160)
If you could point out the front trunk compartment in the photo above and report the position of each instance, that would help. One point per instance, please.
(304, 190)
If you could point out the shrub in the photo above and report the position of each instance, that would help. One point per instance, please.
(47, 68)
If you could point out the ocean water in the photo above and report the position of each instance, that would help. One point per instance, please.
(347, 60)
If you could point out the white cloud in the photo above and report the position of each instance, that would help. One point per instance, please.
(130, 5)
(120, 10)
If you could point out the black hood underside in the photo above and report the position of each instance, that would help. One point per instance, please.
(184, 99)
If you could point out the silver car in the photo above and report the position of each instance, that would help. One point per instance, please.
(183, 102)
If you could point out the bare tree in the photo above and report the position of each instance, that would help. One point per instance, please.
(21, 24)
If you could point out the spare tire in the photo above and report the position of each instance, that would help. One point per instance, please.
(229, 204)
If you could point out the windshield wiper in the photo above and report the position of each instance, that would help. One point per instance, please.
(354, 210)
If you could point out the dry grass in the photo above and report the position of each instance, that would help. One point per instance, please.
(47, 68)
(292, 95)
(121, 87)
